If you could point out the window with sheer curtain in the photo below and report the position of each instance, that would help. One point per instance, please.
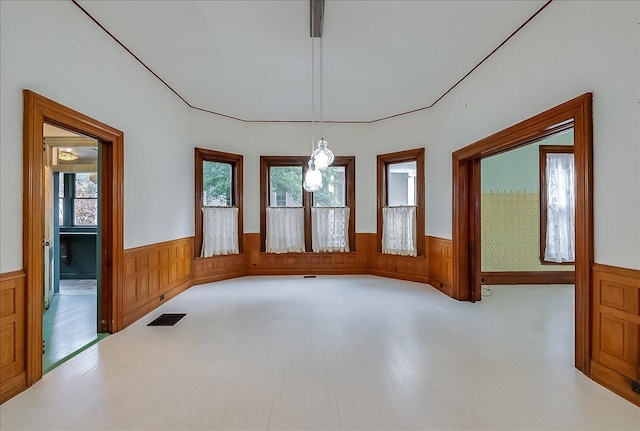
(557, 180)
(399, 230)
(218, 200)
(293, 220)
(401, 203)
(330, 229)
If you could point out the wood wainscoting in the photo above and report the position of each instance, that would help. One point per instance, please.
(12, 334)
(441, 264)
(615, 359)
(411, 268)
(355, 262)
(216, 268)
(529, 277)
(153, 270)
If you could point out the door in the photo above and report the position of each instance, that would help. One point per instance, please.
(47, 239)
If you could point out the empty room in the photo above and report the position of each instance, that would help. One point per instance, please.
(319, 214)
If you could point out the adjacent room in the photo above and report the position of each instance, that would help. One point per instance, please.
(316, 214)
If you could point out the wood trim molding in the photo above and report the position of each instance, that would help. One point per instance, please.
(383, 160)
(237, 189)
(216, 268)
(528, 277)
(466, 251)
(92, 18)
(39, 110)
(13, 378)
(266, 162)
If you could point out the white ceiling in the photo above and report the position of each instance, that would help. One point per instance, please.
(252, 59)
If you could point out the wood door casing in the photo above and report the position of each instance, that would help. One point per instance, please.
(39, 110)
(576, 113)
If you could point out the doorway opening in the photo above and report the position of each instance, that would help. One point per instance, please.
(71, 318)
(467, 269)
(39, 111)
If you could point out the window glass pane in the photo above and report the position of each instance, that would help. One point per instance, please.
(86, 212)
(85, 188)
(61, 211)
(286, 186)
(333, 191)
(401, 183)
(61, 185)
(216, 184)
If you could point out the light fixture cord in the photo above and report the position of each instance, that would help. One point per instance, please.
(321, 92)
(313, 93)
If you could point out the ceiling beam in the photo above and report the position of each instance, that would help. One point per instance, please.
(316, 17)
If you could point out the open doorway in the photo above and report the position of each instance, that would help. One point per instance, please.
(467, 272)
(526, 204)
(71, 230)
(38, 111)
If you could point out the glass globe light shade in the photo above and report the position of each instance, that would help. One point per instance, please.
(313, 178)
(323, 156)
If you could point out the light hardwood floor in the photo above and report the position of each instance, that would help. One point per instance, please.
(356, 352)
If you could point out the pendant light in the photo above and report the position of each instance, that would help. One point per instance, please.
(313, 176)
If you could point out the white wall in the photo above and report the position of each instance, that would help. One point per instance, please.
(55, 50)
(571, 48)
(253, 140)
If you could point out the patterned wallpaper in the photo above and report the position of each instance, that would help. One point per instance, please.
(511, 232)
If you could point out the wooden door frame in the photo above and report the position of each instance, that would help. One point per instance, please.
(577, 113)
(39, 110)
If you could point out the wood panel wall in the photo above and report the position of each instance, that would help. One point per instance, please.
(411, 268)
(259, 263)
(615, 360)
(216, 268)
(154, 270)
(12, 334)
(441, 264)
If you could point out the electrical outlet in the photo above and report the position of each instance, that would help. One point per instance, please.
(161, 296)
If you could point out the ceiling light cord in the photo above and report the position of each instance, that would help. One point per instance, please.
(321, 92)
(313, 96)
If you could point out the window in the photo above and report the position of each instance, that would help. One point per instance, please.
(77, 199)
(283, 200)
(85, 200)
(400, 189)
(557, 205)
(218, 203)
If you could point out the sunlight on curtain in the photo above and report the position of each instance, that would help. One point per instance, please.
(560, 241)
(399, 230)
(330, 229)
(285, 230)
(219, 231)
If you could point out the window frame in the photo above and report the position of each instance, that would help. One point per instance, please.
(236, 161)
(69, 204)
(349, 163)
(543, 151)
(383, 162)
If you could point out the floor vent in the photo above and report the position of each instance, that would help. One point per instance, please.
(167, 319)
(308, 276)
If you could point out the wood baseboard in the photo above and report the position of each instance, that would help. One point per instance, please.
(614, 381)
(529, 277)
(12, 326)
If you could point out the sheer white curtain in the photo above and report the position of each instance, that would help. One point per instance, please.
(560, 241)
(285, 230)
(330, 229)
(219, 231)
(399, 230)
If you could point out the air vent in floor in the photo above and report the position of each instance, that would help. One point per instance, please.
(167, 319)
